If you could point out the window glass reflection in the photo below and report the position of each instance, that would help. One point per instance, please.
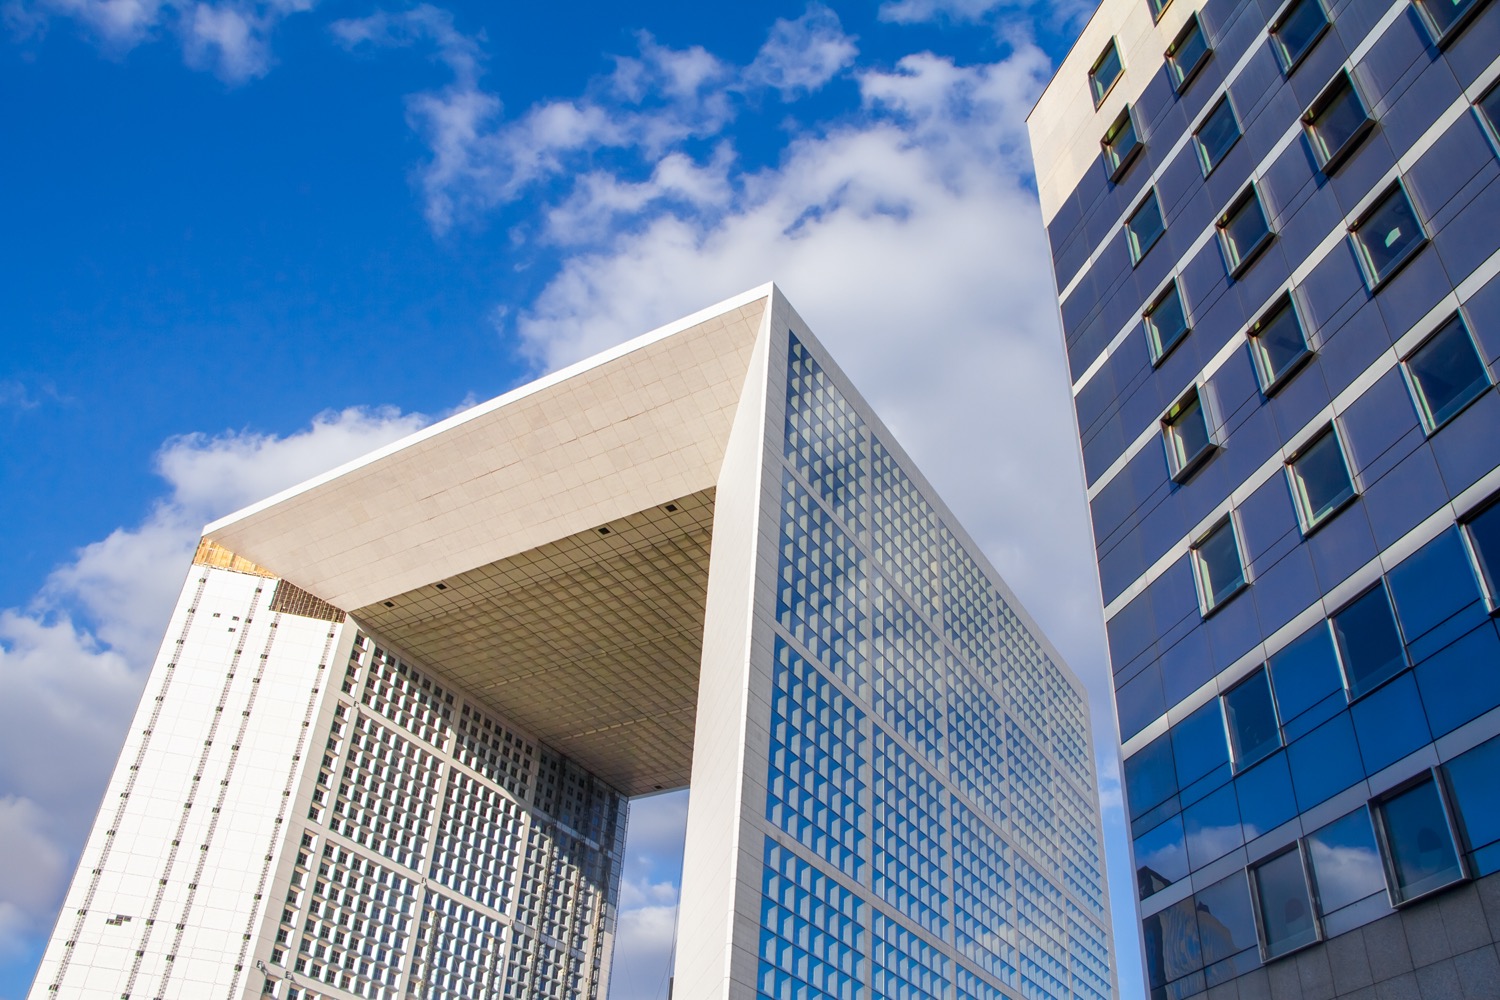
(1226, 923)
(1166, 322)
(1320, 480)
(1198, 743)
(1277, 343)
(1160, 857)
(1265, 793)
(1213, 827)
(1472, 778)
(1433, 584)
(1217, 561)
(1416, 834)
(1387, 237)
(1145, 227)
(1446, 374)
(1251, 719)
(1187, 53)
(1335, 122)
(1172, 946)
(1305, 672)
(1219, 131)
(1243, 230)
(1369, 644)
(1484, 533)
(1345, 861)
(1285, 905)
(1294, 34)
(1149, 777)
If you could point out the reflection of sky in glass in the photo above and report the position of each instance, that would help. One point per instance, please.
(1285, 909)
(1345, 861)
(1421, 848)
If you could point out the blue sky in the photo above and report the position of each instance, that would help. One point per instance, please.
(249, 239)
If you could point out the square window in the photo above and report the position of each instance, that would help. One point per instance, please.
(1184, 430)
(1220, 130)
(1105, 72)
(1417, 834)
(1217, 566)
(1369, 641)
(1320, 480)
(1187, 53)
(1296, 31)
(1243, 231)
(1483, 533)
(1336, 122)
(1278, 345)
(1144, 227)
(1345, 861)
(1445, 18)
(1387, 237)
(1166, 323)
(1250, 716)
(1446, 374)
(1122, 144)
(1284, 904)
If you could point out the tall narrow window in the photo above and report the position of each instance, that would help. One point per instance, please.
(1243, 231)
(1369, 642)
(1217, 566)
(1445, 18)
(1418, 836)
(1483, 531)
(1187, 53)
(1184, 430)
(1278, 345)
(1121, 145)
(1489, 114)
(1320, 480)
(1284, 904)
(1144, 227)
(1166, 322)
(1105, 71)
(1387, 236)
(1336, 122)
(1250, 716)
(1220, 130)
(1294, 33)
(1445, 374)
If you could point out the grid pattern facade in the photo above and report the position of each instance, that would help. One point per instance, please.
(444, 854)
(910, 706)
(1279, 308)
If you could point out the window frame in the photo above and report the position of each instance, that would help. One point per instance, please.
(1314, 909)
(1375, 282)
(1272, 382)
(1490, 123)
(1329, 160)
(1239, 262)
(1236, 765)
(1182, 76)
(1431, 425)
(1350, 694)
(1137, 251)
(1489, 588)
(1179, 465)
(1443, 37)
(1207, 610)
(1284, 57)
(1094, 89)
(1157, 350)
(1204, 165)
(1438, 777)
(1116, 165)
(1305, 519)
(1158, 9)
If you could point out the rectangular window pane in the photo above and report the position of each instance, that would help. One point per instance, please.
(1416, 834)
(1444, 16)
(1185, 432)
(1277, 343)
(1105, 72)
(1489, 112)
(1369, 643)
(1387, 236)
(1226, 923)
(1187, 53)
(1320, 480)
(1305, 672)
(1345, 861)
(1217, 559)
(1295, 32)
(1219, 131)
(1121, 144)
(1166, 322)
(1472, 779)
(1243, 231)
(1286, 915)
(1335, 122)
(1446, 373)
(1145, 227)
(1484, 536)
(1251, 719)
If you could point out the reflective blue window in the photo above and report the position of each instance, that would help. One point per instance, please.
(1390, 723)
(1431, 586)
(1472, 779)
(1149, 776)
(1325, 761)
(1265, 793)
(1295, 31)
(1419, 841)
(1251, 720)
(1369, 644)
(1305, 672)
(1484, 534)
(1226, 927)
(1446, 374)
(1213, 827)
(1286, 914)
(1172, 946)
(1199, 746)
(1345, 861)
(1160, 857)
(1462, 682)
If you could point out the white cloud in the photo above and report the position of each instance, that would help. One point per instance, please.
(802, 55)
(72, 663)
(648, 897)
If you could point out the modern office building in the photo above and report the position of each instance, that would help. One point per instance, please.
(1275, 231)
(388, 744)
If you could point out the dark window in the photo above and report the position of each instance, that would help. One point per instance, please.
(1483, 530)
(1243, 231)
(1418, 840)
(1105, 72)
(1286, 915)
(1145, 227)
(1445, 374)
(1387, 236)
(1345, 861)
(1216, 563)
(1187, 53)
(1320, 480)
(1471, 778)
(1336, 122)
(1220, 130)
(1184, 430)
(1369, 642)
(1489, 113)
(1294, 33)
(1251, 719)
(1445, 17)
(1157, 6)
(1277, 344)
(1166, 322)
(1121, 144)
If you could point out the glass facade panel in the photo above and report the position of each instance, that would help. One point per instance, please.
(1286, 915)
(1219, 131)
(1345, 861)
(1418, 843)
(1166, 322)
(1226, 920)
(1265, 793)
(1105, 72)
(1149, 777)
(1187, 53)
(1160, 857)
(1293, 35)
(1173, 949)
(1251, 718)
(1484, 535)
(1320, 480)
(1304, 672)
(1198, 743)
(1387, 237)
(1217, 561)
(1243, 231)
(1144, 227)
(1185, 432)
(1431, 588)
(1121, 144)
(1369, 643)
(1445, 16)
(1277, 344)
(1446, 374)
(1212, 827)
(1335, 122)
(1471, 777)
(1489, 113)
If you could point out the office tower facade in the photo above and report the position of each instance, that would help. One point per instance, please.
(387, 747)
(1275, 231)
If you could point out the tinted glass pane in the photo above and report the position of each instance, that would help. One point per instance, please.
(1432, 584)
(1145, 227)
(1417, 832)
(1219, 567)
(1198, 743)
(1213, 827)
(1305, 672)
(1298, 30)
(1472, 778)
(1447, 373)
(1149, 777)
(1105, 71)
(1265, 793)
(1251, 718)
(1166, 322)
(1321, 480)
(1285, 905)
(1388, 235)
(1121, 141)
(1325, 761)
(1484, 532)
(1160, 857)
(1187, 52)
(1336, 121)
(1489, 104)
(1243, 230)
(1226, 924)
(1345, 861)
(1368, 641)
(1278, 343)
(1172, 949)
(1445, 12)
(1390, 723)
(1187, 434)
(1217, 133)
